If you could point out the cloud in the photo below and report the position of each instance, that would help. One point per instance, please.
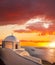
(23, 31)
(19, 11)
(28, 27)
(37, 24)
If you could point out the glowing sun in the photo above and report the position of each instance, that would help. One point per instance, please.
(52, 45)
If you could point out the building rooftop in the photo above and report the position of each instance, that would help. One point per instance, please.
(11, 38)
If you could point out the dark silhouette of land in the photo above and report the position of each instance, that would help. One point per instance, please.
(1, 62)
(46, 62)
(53, 64)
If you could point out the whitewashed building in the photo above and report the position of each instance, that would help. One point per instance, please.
(10, 42)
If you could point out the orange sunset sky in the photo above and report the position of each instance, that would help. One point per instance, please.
(31, 21)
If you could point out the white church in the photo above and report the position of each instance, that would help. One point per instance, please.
(10, 42)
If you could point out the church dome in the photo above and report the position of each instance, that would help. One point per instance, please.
(11, 38)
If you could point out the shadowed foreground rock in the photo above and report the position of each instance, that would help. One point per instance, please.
(1, 62)
(53, 64)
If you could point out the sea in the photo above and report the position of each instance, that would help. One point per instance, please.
(47, 54)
